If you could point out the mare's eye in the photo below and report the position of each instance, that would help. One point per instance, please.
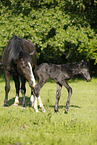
(23, 66)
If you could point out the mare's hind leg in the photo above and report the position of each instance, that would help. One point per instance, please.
(69, 95)
(7, 87)
(59, 87)
(17, 86)
(23, 90)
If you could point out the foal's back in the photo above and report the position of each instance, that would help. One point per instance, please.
(53, 71)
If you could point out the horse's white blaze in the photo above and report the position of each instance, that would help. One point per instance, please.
(32, 75)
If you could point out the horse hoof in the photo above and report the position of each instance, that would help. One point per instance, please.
(5, 105)
(66, 111)
(24, 106)
(31, 104)
(15, 104)
(56, 111)
(44, 110)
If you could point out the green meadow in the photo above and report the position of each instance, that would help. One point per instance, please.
(20, 126)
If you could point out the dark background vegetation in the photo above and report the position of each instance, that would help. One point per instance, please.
(62, 31)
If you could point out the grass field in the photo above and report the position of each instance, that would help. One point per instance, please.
(20, 126)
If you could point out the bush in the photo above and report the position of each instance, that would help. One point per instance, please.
(58, 31)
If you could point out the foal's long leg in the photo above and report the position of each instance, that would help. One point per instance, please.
(36, 93)
(17, 86)
(32, 99)
(7, 87)
(59, 87)
(40, 103)
(69, 95)
(23, 90)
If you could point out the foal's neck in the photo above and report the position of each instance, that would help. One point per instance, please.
(76, 70)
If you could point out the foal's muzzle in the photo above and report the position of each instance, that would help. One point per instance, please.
(89, 79)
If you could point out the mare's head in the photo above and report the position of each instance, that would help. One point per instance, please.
(24, 67)
(85, 70)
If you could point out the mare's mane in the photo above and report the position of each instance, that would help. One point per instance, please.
(15, 46)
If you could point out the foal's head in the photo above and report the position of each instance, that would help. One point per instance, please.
(24, 68)
(85, 71)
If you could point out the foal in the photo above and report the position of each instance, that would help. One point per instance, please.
(60, 74)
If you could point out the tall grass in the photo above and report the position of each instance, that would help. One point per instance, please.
(20, 126)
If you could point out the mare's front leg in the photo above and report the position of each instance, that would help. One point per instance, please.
(23, 90)
(17, 86)
(59, 87)
(7, 86)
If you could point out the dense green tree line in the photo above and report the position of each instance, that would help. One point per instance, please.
(61, 30)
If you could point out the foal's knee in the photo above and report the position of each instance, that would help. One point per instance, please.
(35, 91)
(58, 96)
(70, 90)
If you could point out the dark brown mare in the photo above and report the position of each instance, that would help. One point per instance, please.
(60, 74)
(18, 58)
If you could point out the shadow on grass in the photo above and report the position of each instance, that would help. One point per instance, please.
(11, 101)
(61, 106)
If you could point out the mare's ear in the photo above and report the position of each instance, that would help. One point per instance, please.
(20, 55)
(32, 53)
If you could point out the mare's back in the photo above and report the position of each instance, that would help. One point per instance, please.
(12, 50)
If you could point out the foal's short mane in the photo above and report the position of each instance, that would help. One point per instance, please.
(75, 64)
(71, 65)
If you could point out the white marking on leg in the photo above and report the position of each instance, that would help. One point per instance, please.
(32, 75)
(32, 99)
(40, 103)
(16, 103)
(35, 104)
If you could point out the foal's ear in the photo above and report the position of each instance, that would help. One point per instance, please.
(20, 55)
(85, 63)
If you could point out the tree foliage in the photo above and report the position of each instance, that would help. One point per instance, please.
(60, 29)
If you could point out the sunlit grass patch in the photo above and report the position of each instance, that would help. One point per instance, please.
(25, 126)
